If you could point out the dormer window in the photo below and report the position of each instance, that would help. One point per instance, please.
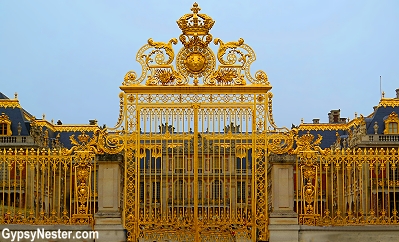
(5, 125)
(391, 124)
(3, 129)
(393, 128)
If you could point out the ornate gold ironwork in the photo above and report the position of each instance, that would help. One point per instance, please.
(344, 186)
(49, 186)
(181, 139)
(195, 60)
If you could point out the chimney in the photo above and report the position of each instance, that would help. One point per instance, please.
(316, 120)
(334, 116)
(397, 93)
(93, 122)
(342, 120)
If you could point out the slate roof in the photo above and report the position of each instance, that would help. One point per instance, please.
(20, 115)
(379, 116)
(2, 96)
(329, 136)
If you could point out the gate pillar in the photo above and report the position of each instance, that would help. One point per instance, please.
(108, 218)
(283, 221)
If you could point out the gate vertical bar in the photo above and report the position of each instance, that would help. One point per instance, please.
(253, 168)
(137, 174)
(195, 107)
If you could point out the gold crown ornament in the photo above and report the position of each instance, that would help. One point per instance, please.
(195, 23)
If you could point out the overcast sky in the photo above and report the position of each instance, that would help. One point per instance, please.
(67, 59)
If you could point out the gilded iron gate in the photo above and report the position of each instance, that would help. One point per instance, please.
(196, 170)
(195, 140)
(192, 183)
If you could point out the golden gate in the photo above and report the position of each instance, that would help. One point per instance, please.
(194, 140)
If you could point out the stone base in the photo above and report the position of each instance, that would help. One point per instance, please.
(242, 240)
(110, 232)
(283, 217)
(109, 227)
(283, 226)
(283, 233)
(363, 233)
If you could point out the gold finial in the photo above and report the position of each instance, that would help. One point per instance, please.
(383, 94)
(16, 95)
(195, 9)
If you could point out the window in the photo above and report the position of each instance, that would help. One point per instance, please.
(241, 192)
(3, 172)
(200, 189)
(156, 192)
(393, 128)
(217, 190)
(394, 174)
(391, 124)
(217, 164)
(200, 164)
(141, 191)
(5, 125)
(243, 165)
(3, 129)
(179, 191)
(179, 161)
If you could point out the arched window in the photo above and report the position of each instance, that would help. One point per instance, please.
(5, 125)
(391, 124)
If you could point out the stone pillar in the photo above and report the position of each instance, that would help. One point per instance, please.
(108, 221)
(283, 221)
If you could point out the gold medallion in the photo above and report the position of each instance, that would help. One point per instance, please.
(195, 62)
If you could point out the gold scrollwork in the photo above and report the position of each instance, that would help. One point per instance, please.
(160, 58)
(306, 143)
(110, 143)
(196, 60)
(231, 57)
(280, 143)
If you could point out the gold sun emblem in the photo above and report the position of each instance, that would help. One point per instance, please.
(195, 62)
